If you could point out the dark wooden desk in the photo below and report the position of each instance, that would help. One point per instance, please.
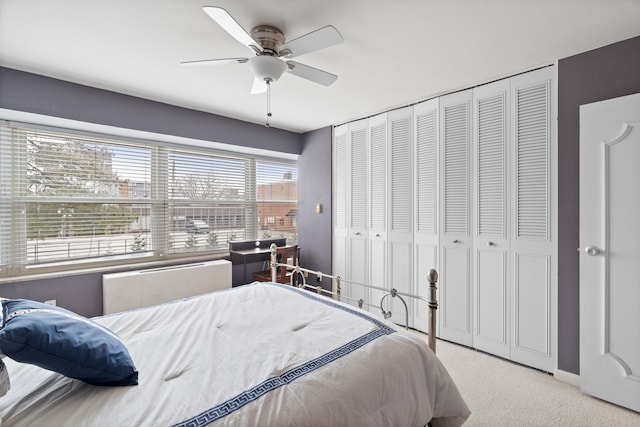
(247, 256)
(246, 252)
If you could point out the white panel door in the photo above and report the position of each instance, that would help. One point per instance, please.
(400, 235)
(425, 123)
(491, 212)
(610, 255)
(455, 214)
(533, 296)
(357, 268)
(378, 207)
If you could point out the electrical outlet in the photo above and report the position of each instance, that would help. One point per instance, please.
(50, 302)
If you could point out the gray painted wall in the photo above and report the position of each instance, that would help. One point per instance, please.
(314, 186)
(600, 74)
(80, 293)
(37, 94)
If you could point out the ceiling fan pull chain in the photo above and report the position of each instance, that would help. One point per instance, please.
(268, 82)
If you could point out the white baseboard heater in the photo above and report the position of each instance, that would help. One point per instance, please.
(142, 288)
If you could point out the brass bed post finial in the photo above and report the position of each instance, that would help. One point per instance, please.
(432, 277)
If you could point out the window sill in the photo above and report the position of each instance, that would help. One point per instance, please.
(113, 268)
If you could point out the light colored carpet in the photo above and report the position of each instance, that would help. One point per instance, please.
(501, 393)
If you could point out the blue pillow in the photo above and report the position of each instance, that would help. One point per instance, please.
(62, 341)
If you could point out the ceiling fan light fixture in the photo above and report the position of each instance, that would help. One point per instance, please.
(267, 68)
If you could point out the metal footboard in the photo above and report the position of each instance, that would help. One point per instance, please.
(335, 292)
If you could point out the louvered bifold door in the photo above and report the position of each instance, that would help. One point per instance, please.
(455, 224)
(339, 255)
(491, 196)
(357, 268)
(378, 206)
(400, 234)
(533, 335)
(425, 118)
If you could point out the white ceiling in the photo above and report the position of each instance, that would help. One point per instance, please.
(394, 52)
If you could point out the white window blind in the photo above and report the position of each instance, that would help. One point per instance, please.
(69, 197)
(206, 195)
(6, 202)
(78, 196)
(276, 185)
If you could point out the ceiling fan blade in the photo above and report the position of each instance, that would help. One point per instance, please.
(310, 73)
(232, 27)
(315, 40)
(259, 86)
(216, 61)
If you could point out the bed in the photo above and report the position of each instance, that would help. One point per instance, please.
(262, 354)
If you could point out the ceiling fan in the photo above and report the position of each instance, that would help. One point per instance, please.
(270, 47)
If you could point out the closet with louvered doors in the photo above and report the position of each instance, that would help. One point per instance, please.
(426, 240)
(491, 243)
(340, 194)
(533, 236)
(358, 209)
(378, 173)
(400, 200)
(455, 213)
(350, 247)
(464, 182)
(498, 287)
(497, 228)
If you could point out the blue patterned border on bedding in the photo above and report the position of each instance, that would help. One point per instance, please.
(235, 403)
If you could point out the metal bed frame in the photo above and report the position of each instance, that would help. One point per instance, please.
(335, 292)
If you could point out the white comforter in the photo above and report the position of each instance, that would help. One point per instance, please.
(257, 355)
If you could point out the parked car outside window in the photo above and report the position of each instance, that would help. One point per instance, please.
(196, 226)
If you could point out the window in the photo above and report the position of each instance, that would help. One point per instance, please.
(70, 198)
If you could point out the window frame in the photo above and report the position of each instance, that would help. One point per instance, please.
(14, 241)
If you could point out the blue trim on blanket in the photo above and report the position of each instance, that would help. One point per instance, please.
(270, 384)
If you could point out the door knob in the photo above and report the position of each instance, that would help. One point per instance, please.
(592, 250)
(456, 241)
(490, 244)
